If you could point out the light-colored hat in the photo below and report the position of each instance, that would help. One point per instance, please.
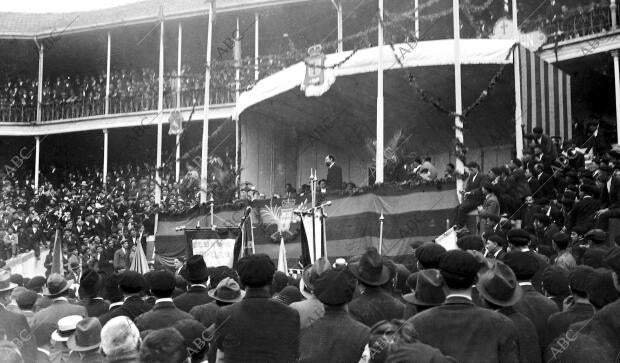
(66, 327)
(5, 281)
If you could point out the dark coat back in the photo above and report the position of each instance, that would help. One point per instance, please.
(558, 323)
(163, 315)
(582, 214)
(527, 337)
(131, 308)
(195, 295)
(336, 337)
(334, 178)
(469, 333)
(538, 308)
(16, 329)
(374, 305)
(258, 329)
(96, 307)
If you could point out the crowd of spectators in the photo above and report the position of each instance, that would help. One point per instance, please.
(133, 90)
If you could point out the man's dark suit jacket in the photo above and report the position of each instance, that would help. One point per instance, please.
(95, 307)
(374, 305)
(558, 323)
(163, 315)
(468, 333)
(527, 337)
(582, 214)
(196, 295)
(474, 187)
(336, 337)
(258, 329)
(33, 240)
(206, 313)
(538, 308)
(16, 329)
(334, 177)
(131, 308)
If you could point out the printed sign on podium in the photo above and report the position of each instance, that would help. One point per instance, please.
(216, 246)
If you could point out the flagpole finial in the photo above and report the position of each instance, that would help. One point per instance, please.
(382, 218)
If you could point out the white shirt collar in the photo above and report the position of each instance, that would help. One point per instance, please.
(44, 351)
(525, 283)
(163, 299)
(459, 295)
(199, 285)
(62, 298)
(118, 303)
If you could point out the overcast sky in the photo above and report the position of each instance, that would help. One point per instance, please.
(58, 6)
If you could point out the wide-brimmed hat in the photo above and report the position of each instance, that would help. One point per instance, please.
(196, 269)
(87, 335)
(65, 327)
(428, 290)
(311, 273)
(499, 285)
(336, 286)
(56, 285)
(370, 269)
(5, 281)
(228, 291)
(90, 284)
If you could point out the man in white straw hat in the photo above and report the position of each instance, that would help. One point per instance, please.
(66, 326)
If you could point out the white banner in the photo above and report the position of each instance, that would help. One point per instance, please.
(216, 252)
(314, 245)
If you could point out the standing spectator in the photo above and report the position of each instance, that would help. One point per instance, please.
(15, 325)
(581, 216)
(534, 305)
(226, 293)
(334, 174)
(34, 238)
(130, 284)
(336, 337)
(163, 346)
(240, 328)
(472, 195)
(164, 313)
(564, 258)
(311, 309)
(197, 293)
(375, 303)
(500, 291)
(428, 292)
(89, 293)
(121, 258)
(85, 341)
(120, 341)
(459, 328)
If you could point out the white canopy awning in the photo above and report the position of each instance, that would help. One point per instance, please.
(425, 53)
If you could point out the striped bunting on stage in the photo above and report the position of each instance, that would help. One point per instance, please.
(545, 96)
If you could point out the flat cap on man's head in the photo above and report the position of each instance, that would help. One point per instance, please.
(518, 237)
(256, 270)
(524, 265)
(429, 254)
(578, 278)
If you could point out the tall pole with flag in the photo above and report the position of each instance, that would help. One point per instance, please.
(458, 103)
(57, 265)
(379, 148)
(237, 54)
(205, 128)
(517, 71)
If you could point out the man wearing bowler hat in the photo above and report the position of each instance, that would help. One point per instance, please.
(197, 294)
(90, 286)
(311, 309)
(459, 328)
(257, 329)
(130, 284)
(375, 303)
(500, 291)
(428, 292)
(15, 325)
(84, 342)
(164, 313)
(44, 321)
(226, 293)
(534, 305)
(336, 337)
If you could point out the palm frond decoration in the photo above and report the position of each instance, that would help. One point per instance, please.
(392, 150)
(272, 216)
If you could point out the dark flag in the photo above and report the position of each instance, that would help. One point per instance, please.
(304, 259)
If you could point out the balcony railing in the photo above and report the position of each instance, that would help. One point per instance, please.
(578, 23)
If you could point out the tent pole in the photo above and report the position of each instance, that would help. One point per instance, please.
(379, 148)
(458, 109)
(516, 61)
(237, 91)
(256, 20)
(107, 79)
(160, 107)
(205, 129)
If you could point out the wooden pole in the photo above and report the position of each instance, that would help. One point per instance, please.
(379, 148)
(205, 129)
(458, 122)
(516, 61)
(40, 84)
(107, 78)
(177, 166)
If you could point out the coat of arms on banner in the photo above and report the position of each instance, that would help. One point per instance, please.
(318, 78)
(176, 123)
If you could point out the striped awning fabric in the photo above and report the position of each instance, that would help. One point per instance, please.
(545, 96)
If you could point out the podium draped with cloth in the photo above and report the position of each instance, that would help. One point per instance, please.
(218, 246)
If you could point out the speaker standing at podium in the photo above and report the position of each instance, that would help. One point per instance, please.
(334, 174)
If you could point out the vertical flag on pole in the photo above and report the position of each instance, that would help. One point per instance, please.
(282, 266)
(545, 96)
(139, 263)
